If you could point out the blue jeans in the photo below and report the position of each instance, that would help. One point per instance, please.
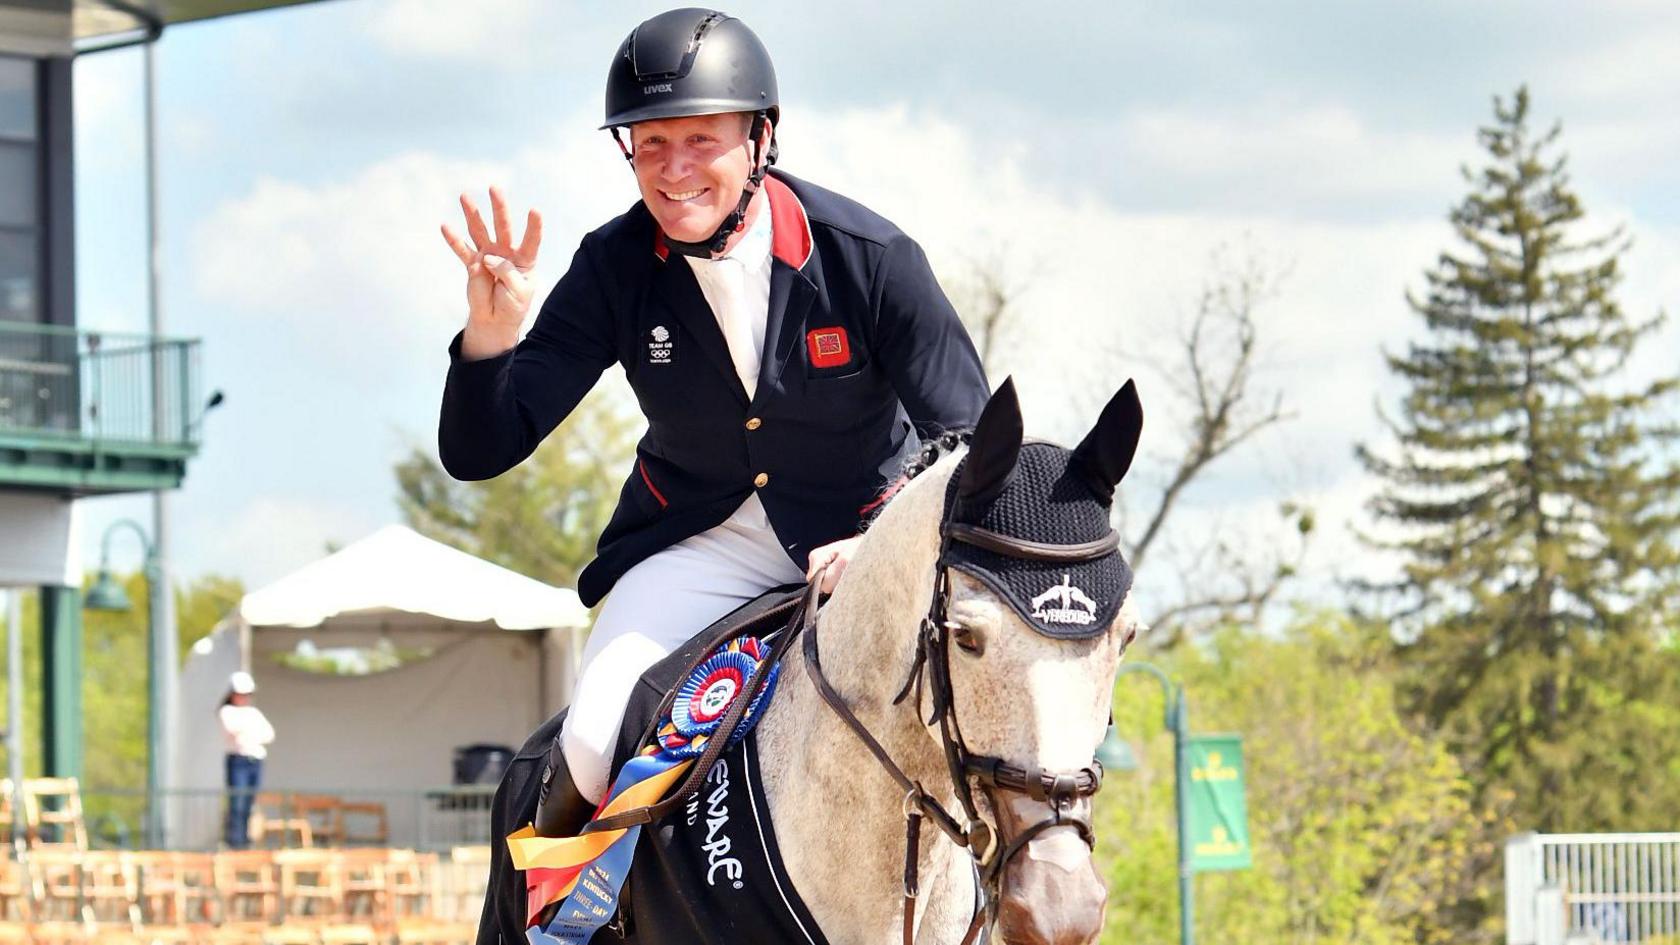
(243, 775)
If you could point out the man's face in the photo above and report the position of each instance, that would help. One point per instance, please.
(691, 170)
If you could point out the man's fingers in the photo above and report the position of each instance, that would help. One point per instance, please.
(499, 214)
(459, 246)
(475, 224)
(831, 574)
(509, 277)
(526, 255)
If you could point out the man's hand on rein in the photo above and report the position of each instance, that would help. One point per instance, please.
(833, 557)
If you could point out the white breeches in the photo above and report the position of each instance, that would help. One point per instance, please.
(656, 607)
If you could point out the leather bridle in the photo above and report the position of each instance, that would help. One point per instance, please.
(931, 670)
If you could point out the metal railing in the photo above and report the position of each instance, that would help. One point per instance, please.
(67, 383)
(432, 819)
(1562, 889)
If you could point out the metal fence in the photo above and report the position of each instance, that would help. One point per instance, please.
(1564, 889)
(436, 819)
(60, 382)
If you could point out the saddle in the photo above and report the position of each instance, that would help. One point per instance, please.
(515, 803)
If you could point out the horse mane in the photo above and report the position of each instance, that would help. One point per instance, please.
(932, 451)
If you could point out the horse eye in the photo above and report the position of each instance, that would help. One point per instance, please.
(966, 639)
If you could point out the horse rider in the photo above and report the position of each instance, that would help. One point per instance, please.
(788, 346)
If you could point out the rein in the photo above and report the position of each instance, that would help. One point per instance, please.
(932, 666)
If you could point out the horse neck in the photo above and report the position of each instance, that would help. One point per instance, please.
(818, 774)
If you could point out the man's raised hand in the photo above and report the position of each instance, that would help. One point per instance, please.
(498, 287)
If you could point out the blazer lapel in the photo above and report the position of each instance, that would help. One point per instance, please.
(675, 286)
(791, 293)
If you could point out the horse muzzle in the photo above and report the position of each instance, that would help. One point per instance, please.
(1052, 893)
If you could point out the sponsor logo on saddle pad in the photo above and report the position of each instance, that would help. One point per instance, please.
(717, 845)
(659, 349)
(1072, 605)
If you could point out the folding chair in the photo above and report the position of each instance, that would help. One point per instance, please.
(110, 891)
(311, 885)
(272, 815)
(52, 811)
(249, 891)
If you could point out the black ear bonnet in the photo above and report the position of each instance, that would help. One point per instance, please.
(1046, 503)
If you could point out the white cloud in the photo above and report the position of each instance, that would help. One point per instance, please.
(480, 33)
(271, 536)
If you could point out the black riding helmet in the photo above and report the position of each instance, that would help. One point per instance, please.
(695, 62)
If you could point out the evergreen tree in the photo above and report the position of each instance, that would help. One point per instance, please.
(1533, 507)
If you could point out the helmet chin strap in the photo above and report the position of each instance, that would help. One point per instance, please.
(712, 246)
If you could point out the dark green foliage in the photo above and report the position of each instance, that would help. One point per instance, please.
(540, 518)
(1532, 505)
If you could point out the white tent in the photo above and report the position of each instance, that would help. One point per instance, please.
(490, 654)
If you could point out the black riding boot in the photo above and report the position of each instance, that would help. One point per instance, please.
(561, 810)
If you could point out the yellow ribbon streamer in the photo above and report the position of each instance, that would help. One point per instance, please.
(529, 851)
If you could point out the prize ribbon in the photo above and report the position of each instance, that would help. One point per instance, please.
(585, 873)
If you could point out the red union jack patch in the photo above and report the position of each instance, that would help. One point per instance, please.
(829, 347)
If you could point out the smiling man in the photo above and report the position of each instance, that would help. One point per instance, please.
(788, 347)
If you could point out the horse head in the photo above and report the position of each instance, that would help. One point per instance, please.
(977, 635)
(1038, 628)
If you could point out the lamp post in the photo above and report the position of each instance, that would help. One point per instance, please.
(1115, 753)
(108, 595)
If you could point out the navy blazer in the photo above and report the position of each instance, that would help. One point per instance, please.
(862, 355)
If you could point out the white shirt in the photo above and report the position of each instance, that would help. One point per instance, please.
(737, 287)
(245, 730)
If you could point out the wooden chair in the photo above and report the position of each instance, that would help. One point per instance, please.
(435, 932)
(367, 894)
(350, 934)
(16, 895)
(412, 879)
(235, 933)
(311, 885)
(52, 811)
(8, 810)
(55, 878)
(325, 814)
(110, 891)
(274, 819)
(364, 823)
(249, 890)
(468, 883)
(303, 934)
(177, 890)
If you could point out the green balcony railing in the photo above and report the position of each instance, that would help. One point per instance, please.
(96, 411)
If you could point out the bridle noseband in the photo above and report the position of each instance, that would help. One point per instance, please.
(932, 666)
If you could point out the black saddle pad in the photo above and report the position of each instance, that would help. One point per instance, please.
(515, 804)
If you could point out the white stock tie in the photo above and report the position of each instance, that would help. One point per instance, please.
(732, 318)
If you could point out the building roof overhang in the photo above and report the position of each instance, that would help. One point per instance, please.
(70, 27)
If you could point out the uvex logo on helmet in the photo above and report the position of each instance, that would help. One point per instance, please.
(656, 88)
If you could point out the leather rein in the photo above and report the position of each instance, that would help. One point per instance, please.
(932, 667)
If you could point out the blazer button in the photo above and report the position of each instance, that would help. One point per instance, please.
(754, 423)
(761, 480)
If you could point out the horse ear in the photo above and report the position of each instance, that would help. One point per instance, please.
(1106, 452)
(993, 449)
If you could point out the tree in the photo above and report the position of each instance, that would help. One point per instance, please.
(114, 691)
(540, 518)
(1211, 379)
(1362, 828)
(1530, 506)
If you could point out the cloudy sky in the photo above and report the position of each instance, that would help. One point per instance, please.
(1103, 150)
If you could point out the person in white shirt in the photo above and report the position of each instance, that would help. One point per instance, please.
(246, 734)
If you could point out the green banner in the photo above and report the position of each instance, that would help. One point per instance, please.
(1218, 809)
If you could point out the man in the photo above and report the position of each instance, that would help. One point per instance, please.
(786, 344)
